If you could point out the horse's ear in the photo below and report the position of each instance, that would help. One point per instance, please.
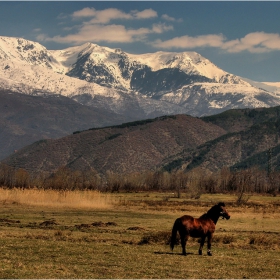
(221, 204)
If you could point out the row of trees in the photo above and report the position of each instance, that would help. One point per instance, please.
(194, 182)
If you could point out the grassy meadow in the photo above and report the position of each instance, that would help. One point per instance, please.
(51, 234)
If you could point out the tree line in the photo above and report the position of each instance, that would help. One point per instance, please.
(194, 182)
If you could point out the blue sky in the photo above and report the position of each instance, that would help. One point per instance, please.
(241, 37)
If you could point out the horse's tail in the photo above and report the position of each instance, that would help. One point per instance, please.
(175, 228)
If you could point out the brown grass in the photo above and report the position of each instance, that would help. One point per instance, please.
(131, 241)
(264, 240)
(54, 198)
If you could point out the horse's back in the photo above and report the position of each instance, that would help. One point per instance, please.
(197, 227)
(187, 218)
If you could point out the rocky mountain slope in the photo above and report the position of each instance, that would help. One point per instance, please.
(136, 86)
(236, 139)
(130, 147)
(251, 134)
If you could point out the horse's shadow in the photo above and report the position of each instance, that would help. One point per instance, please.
(171, 253)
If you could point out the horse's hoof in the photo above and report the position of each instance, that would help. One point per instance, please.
(209, 253)
(184, 253)
(200, 252)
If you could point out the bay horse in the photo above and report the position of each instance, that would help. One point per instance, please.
(202, 227)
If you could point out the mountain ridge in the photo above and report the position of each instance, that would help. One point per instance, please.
(142, 144)
(171, 82)
(162, 144)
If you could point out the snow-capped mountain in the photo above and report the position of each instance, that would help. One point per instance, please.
(137, 86)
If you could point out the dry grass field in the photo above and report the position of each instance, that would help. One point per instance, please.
(48, 234)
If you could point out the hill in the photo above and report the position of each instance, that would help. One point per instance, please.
(130, 147)
(25, 119)
(234, 139)
(251, 134)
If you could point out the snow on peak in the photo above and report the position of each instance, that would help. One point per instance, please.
(25, 51)
(30, 68)
(62, 61)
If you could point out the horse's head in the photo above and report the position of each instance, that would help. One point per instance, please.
(223, 211)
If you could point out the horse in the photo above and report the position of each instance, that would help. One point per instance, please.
(202, 227)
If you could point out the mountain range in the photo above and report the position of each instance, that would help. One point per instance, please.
(52, 93)
(136, 86)
(238, 138)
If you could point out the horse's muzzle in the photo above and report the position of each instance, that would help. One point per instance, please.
(226, 216)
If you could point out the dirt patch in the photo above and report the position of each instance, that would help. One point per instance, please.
(48, 223)
(101, 224)
(8, 221)
(136, 228)
(83, 226)
(95, 224)
(156, 238)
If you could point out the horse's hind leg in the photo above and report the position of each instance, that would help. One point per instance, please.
(201, 245)
(184, 239)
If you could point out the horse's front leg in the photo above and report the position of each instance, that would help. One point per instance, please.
(209, 242)
(201, 244)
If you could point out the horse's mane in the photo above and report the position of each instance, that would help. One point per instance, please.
(213, 212)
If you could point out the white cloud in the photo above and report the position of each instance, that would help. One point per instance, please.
(97, 27)
(161, 27)
(95, 33)
(86, 12)
(187, 42)
(107, 15)
(102, 33)
(255, 42)
(104, 16)
(148, 13)
(42, 37)
(62, 16)
(168, 18)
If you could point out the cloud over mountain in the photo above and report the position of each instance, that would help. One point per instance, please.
(256, 42)
(111, 25)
